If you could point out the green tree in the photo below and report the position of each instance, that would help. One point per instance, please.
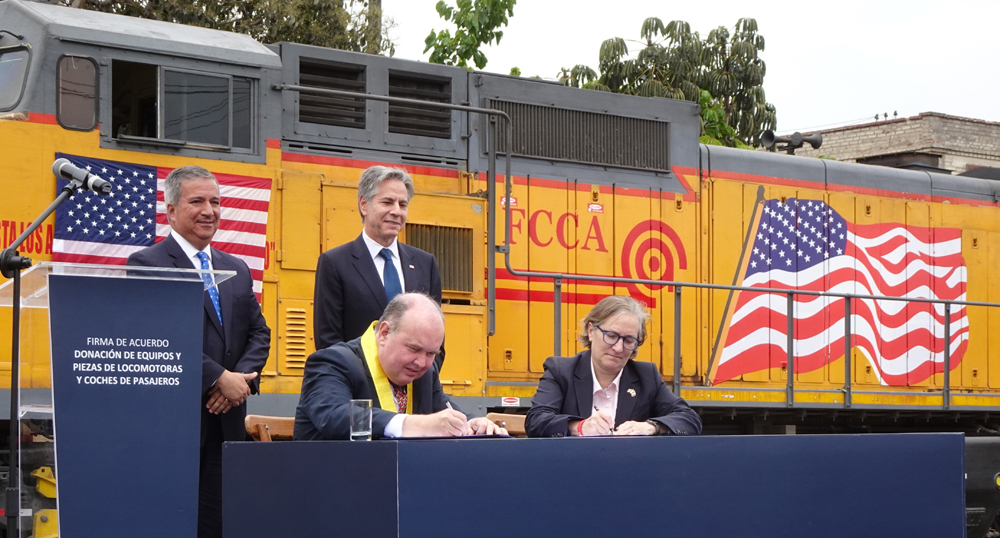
(735, 74)
(581, 76)
(676, 63)
(714, 129)
(355, 25)
(477, 23)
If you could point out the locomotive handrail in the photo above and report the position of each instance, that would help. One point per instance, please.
(491, 295)
(557, 279)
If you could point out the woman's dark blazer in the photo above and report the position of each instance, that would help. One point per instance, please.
(566, 392)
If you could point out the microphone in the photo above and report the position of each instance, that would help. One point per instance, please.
(70, 172)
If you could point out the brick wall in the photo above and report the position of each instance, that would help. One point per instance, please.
(961, 143)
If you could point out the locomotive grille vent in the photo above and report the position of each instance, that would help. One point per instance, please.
(295, 338)
(453, 249)
(418, 120)
(327, 110)
(573, 135)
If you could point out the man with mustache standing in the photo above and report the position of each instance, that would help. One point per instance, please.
(355, 281)
(236, 339)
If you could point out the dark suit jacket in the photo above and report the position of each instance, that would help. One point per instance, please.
(242, 346)
(338, 374)
(566, 392)
(349, 295)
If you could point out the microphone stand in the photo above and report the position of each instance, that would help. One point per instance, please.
(11, 265)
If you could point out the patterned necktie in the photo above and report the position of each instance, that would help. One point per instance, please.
(399, 394)
(390, 277)
(213, 292)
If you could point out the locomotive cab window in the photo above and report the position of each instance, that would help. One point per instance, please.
(181, 108)
(13, 71)
(77, 98)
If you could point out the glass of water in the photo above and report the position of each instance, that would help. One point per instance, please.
(361, 420)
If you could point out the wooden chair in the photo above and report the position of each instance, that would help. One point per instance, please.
(513, 423)
(264, 428)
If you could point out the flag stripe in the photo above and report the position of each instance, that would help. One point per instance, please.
(85, 258)
(237, 249)
(772, 353)
(85, 248)
(234, 225)
(244, 216)
(811, 311)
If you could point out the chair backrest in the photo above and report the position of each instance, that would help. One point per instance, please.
(264, 428)
(513, 423)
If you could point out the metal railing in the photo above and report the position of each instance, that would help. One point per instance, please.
(790, 328)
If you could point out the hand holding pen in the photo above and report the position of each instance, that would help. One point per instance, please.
(479, 425)
(600, 423)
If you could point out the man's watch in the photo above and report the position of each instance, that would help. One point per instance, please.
(656, 426)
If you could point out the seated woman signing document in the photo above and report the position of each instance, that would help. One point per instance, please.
(602, 391)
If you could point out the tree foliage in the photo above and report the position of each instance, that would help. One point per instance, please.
(354, 25)
(714, 129)
(676, 63)
(477, 23)
(581, 76)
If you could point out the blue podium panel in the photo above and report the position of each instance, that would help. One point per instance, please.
(770, 486)
(309, 488)
(126, 386)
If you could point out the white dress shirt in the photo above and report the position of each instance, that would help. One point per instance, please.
(191, 252)
(375, 248)
(606, 398)
(395, 426)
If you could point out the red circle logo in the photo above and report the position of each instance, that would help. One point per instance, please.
(649, 253)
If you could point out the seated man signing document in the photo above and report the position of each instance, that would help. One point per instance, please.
(392, 364)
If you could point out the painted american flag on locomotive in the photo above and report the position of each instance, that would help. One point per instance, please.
(807, 245)
(91, 228)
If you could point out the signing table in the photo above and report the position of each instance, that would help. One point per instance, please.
(768, 486)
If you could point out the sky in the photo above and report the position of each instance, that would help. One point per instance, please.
(828, 63)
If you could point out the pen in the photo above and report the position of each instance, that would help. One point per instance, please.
(474, 429)
(598, 410)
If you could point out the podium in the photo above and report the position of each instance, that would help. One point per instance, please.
(747, 486)
(119, 430)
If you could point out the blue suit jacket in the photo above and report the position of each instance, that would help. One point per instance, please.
(349, 295)
(566, 392)
(338, 374)
(241, 344)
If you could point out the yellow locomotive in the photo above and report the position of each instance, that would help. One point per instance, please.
(609, 194)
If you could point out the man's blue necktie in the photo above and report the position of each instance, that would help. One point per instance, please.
(390, 278)
(213, 292)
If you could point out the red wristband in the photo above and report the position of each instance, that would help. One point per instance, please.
(579, 428)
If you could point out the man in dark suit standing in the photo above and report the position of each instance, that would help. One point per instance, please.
(355, 281)
(236, 337)
(392, 364)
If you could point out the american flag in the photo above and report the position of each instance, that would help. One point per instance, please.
(92, 228)
(807, 245)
